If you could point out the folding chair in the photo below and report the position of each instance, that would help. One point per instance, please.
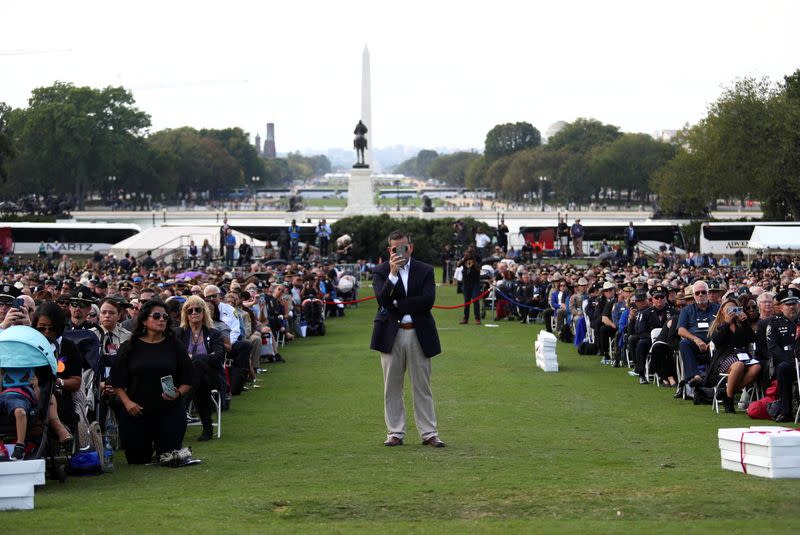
(216, 399)
(723, 380)
(653, 377)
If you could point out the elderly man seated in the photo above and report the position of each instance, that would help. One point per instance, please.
(693, 324)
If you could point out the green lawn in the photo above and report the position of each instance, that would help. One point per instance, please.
(584, 450)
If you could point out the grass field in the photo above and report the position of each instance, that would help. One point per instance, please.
(585, 450)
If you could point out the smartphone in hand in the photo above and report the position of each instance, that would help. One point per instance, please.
(168, 387)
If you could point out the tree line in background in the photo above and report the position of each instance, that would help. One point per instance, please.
(747, 148)
(71, 140)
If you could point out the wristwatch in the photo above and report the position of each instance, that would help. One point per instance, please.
(60, 382)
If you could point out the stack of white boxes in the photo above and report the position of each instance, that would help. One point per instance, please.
(546, 351)
(763, 451)
(17, 479)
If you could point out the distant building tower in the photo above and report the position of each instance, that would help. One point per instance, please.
(269, 144)
(258, 144)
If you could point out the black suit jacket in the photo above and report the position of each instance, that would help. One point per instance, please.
(418, 301)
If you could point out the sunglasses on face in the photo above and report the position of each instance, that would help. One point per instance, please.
(196, 310)
(211, 296)
(159, 316)
(79, 304)
(92, 315)
(701, 292)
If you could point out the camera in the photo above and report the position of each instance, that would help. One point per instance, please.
(736, 310)
(400, 250)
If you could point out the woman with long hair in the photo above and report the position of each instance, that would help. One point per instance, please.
(205, 347)
(151, 376)
(732, 335)
(50, 320)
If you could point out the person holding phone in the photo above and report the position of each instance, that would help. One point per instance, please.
(471, 282)
(404, 332)
(12, 307)
(732, 336)
(151, 377)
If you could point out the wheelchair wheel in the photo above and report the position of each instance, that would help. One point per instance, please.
(112, 428)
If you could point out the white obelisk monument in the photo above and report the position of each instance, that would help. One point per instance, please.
(360, 198)
(366, 103)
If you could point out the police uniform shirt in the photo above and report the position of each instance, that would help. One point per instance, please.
(525, 291)
(652, 318)
(781, 335)
(698, 321)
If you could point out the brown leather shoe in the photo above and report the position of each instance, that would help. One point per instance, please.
(477, 322)
(463, 322)
(393, 441)
(433, 441)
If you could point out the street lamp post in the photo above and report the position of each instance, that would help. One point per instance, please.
(542, 180)
(255, 180)
(397, 193)
(112, 182)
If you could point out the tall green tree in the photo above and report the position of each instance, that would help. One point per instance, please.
(506, 139)
(74, 137)
(452, 168)
(582, 135)
(683, 186)
(524, 169)
(237, 142)
(6, 148)
(195, 163)
(629, 162)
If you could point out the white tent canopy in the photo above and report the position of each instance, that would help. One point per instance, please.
(163, 240)
(775, 238)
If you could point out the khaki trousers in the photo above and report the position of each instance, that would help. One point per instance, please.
(407, 354)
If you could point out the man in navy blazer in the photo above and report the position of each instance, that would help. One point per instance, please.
(405, 334)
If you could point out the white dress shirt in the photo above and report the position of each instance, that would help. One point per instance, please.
(403, 272)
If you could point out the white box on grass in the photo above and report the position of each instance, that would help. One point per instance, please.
(17, 479)
(545, 351)
(763, 451)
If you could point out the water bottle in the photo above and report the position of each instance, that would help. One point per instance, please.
(108, 453)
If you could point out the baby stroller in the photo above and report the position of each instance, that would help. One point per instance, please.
(314, 316)
(23, 347)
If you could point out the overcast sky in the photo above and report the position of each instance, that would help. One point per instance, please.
(443, 72)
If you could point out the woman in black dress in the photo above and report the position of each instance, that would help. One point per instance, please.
(732, 336)
(154, 415)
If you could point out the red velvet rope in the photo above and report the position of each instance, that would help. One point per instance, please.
(484, 294)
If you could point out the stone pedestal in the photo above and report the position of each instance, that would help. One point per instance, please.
(360, 196)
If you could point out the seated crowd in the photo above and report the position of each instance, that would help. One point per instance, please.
(707, 330)
(152, 349)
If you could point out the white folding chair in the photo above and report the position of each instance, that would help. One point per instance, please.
(723, 380)
(648, 373)
(216, 399)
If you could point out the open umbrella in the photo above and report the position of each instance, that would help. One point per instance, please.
(191, 275)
